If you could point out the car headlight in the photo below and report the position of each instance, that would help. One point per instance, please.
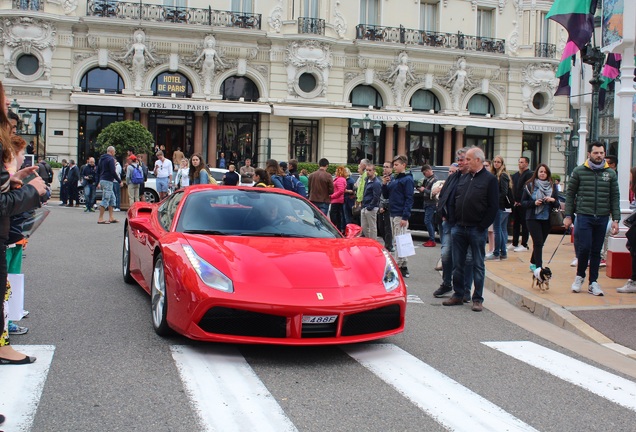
(390, 278)
(209, 274)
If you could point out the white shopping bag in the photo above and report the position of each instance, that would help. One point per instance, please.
(404, 245)
(16, 300)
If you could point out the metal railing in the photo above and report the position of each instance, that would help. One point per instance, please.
(544, 50)
(311, 26)
(175, 14)
(32, 5)
(407, 36)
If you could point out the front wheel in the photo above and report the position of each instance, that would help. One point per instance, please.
(125, 258)
(158, 299)
(151, 196)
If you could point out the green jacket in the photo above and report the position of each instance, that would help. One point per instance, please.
(593, 192)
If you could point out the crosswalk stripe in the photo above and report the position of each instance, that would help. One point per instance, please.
(226, 391)
(593, 379)
(412, 298)
(438, 395)
(22, 387)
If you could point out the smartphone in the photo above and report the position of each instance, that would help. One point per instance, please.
(29, 178)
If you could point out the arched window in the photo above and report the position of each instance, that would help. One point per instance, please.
(172, 83)
(425, 100)
(481, 105)
(365, 96)
(98, 79)
(236, 87)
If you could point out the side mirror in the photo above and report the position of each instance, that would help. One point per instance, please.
(353, 230)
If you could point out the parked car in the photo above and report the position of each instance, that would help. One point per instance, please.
(285, 289)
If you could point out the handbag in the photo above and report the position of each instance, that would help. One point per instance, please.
(404, 245)
(629, 220)
(556, 217)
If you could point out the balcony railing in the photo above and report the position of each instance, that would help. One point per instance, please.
(403, 35)
(544, 50)
(311, 26)
(32, 5)
(175, 14)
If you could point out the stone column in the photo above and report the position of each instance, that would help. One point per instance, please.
(143, 118)
(459, 137)
(388, 143)
(129, 113)
(212, 132)
(401, 145)
(198, 132)
(447, 158)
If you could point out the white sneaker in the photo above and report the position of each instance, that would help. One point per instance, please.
(489, 256)
(520, 248)
(576, 286)
(629, 287)
(574, 263)
(116, 209)
(511, 246)
(595, 289)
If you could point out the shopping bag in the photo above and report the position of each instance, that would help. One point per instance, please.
(404, 245)
(16, 300)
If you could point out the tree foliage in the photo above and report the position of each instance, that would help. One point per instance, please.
(124, 135)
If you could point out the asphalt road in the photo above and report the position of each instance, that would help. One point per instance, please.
(110, 371)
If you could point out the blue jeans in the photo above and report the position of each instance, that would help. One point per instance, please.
(447, 260)
(500, 228)
(429, 212)
(89, 195)
(322, 206)
(117, 192)
(589, 232)
(466, 239)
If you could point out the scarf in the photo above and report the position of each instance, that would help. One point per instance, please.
(596, 166)
(544, 190)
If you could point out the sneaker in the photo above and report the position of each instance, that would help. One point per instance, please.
(491, 257)
(520, 248)
(430, 243)
(405, 272)
(503, 257)
(595, 289)
(443, 289)
(574, 263)
(603, 263)
(15, 329)
(511, 246)
(91, 210)
(116, 209)
(438, 266)
(25, 313)
(533, 267)
(576, 286)
(629, 287)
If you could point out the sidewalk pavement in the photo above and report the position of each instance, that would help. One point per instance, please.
(609, 320)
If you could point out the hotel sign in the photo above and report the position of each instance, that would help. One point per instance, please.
(172, 83)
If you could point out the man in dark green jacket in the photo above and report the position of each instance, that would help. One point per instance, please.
(592, 193)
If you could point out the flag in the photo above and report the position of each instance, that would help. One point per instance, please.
(577, 18)
(611, 71)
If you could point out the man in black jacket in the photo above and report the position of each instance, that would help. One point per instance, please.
(72, 180)
(519, 179)
(476, 205)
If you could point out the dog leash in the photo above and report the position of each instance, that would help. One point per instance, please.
(567, 231)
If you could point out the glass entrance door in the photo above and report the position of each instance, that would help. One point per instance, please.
(171, 136)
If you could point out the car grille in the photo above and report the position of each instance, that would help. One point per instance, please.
(319, 330)
(238, 322)
(372, 321)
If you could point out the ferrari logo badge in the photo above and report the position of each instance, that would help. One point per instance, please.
(320, 297)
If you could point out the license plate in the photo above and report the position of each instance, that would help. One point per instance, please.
(319, 319)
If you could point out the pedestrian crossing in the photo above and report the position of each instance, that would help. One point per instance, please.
(226, 393)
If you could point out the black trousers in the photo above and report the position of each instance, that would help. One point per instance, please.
(72, 193)
(539, 230)
(384, 220)
(519, 226)
(64, 193)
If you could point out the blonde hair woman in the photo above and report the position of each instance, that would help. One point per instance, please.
(500, 224)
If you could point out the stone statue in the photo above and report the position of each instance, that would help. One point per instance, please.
(461, 79)
(139, 51)
(402, 73)
(209, 55)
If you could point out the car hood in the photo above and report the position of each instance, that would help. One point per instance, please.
(284, 263)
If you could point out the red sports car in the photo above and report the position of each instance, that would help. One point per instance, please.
(257, 265)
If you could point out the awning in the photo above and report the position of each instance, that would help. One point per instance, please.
(419, 117)
(172, 104)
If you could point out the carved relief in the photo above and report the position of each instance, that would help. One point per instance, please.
(69, 6)
(400, 76)
(142, 57)
(28, 36)
(537, 90)
(312, 57)
(458, 81)
(339, 22)
(275, 19)
(513, 40)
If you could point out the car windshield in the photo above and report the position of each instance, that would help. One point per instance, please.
(256, 212)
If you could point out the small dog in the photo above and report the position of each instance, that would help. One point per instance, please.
(541, 278)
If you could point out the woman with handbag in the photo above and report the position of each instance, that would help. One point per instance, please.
(540, 196)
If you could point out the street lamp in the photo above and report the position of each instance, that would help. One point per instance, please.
(365, 140)
(559, 141)
(26, 119)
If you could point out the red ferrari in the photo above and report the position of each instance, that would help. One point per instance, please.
(256, 265)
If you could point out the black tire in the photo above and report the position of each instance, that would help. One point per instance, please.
(125, 258)
(159, 299)
(151, 196)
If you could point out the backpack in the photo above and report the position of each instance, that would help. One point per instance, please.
(291, 183)
(137, 176)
